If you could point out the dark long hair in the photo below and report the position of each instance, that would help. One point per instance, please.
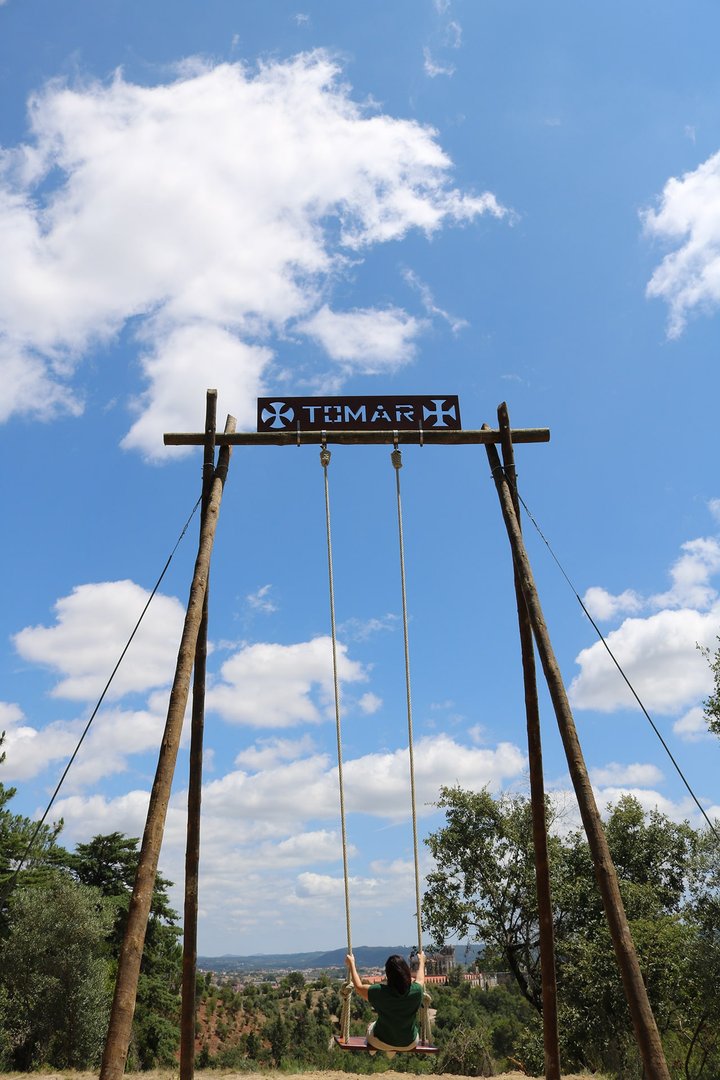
(397, 972)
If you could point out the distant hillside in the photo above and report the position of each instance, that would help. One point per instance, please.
(365, 956)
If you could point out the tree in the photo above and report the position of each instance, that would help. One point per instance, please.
(55, 976)
(712, 703)
(16, 834)
(108, 863)
(483, 888)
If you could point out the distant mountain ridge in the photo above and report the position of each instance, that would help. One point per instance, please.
(365, 956)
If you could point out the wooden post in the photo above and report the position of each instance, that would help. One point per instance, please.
(192, 848)
(123, 1005)
(646, 1032)
(537, 789)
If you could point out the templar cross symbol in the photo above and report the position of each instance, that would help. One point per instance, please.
(439, 413)
(282, 415)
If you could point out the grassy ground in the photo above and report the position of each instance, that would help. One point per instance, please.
(227, 1074)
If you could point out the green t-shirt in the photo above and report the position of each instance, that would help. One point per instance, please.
(396, 1023)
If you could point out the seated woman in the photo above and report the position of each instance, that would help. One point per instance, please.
(396, 1002)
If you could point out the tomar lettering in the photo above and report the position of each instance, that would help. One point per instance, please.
(357, 414)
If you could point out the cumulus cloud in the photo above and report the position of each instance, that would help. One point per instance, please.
(277, 814)
(370, 703)
(688, 217)
(659, 655)
(211, 213)
(602, 605)
(691, 575)
(636, 775)
(93, 625)
(271, 685)
(367, 340)
(692, 726)
(10, 713)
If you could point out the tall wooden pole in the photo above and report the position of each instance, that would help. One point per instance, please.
(192, 848)
(537, 788)
(646, 1032)
(123, 1006)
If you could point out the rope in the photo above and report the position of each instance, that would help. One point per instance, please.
(598, 631)
(325, 457)
(94, 713)
(396, 458)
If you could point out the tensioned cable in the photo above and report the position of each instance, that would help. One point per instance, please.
(41, 822)
(325, 456)
(612, 656)
(345, 1009)
(396, 458)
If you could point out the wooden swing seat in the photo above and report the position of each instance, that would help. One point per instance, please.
(358, 1043)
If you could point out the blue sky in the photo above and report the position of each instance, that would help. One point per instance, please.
(499, 200)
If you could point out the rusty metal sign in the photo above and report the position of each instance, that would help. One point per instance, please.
(359, 413)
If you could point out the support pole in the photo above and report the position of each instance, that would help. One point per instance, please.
(646, 1032)
(192, 848)
(537, 788)
(123, 1006)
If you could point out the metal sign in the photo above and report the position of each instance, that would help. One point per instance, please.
(358, 413)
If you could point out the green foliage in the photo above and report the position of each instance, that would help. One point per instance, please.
(109, 863)
(484, 889)
(55, 991)
(712, 703)
(40, 854)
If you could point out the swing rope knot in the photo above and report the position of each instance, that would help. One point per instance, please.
(325, 456)
(396, 458)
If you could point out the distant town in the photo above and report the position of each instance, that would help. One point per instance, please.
(442, 965)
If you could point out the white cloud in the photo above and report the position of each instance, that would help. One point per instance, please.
(659, 655)
(362, 629)
(636, 775)
(603, 605)
(688, 215)
(279, 813)
(370, 703)
(692, 726)
(93, 626)
(441, 6)
(269, 752)
(214, 212)
(322, 887)
(113, 737)
(453, 34)
(690, 576)
(428, 302)
(271, 685)
(367, 340)
(10, 713)
(432, 68)
(178, 368)
(649, 799)
(714, 508)
(260, 600)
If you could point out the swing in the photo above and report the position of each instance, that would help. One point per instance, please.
(345, 1041)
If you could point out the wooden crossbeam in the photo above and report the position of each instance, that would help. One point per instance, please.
(429, 437)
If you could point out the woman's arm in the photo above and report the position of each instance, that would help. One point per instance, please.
(420, 974)
(359, 987)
